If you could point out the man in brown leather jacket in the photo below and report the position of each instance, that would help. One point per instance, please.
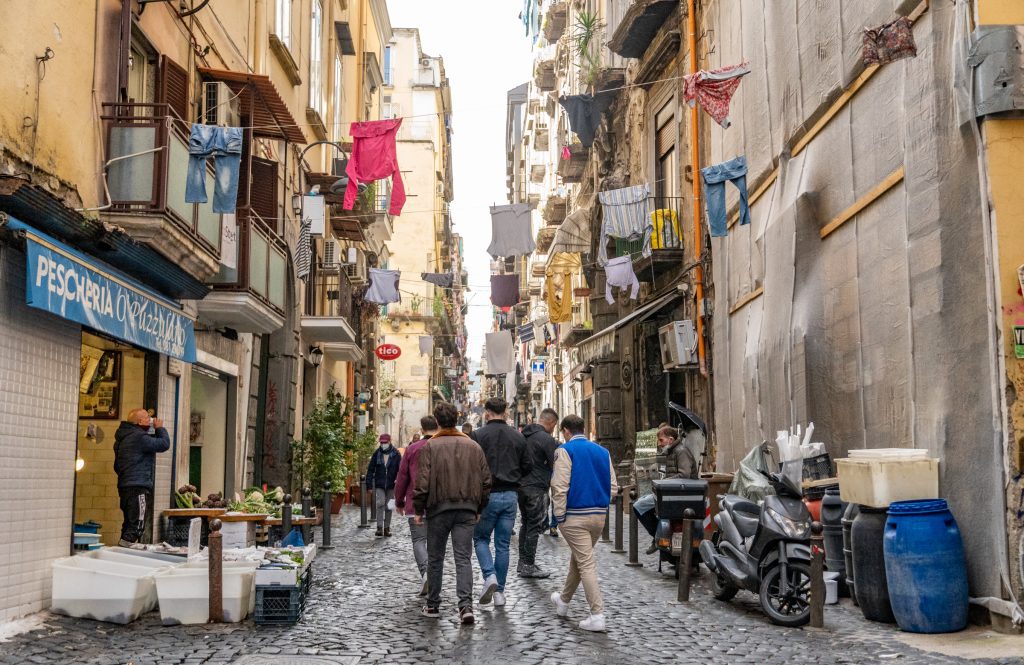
(453, 483)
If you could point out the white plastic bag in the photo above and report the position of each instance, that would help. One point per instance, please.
(391, 504)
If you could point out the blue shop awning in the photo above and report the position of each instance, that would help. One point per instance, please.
(74, 286)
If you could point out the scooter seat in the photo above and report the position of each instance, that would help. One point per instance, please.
(737, 504)
(745, 523)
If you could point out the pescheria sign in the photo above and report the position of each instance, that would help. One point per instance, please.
(62, 283)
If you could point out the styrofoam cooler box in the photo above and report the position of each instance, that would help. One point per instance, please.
(880, 481)
(113, 591)
(238, 534)
(278, 575)
(185, 594)
(115, 554)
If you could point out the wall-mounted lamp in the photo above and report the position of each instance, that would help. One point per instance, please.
(297, 204)
(79, 464)
(316, 355)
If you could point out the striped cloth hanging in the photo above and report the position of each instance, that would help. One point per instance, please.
(627, 215)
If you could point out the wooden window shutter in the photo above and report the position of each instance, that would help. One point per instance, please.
(263, 193)
(174, 88)
(666, 130)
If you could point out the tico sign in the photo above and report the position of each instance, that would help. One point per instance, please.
(388, 351)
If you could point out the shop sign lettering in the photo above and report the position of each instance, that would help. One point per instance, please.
(388, 352)
(60, 283)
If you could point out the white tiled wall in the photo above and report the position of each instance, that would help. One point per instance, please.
(39, 362)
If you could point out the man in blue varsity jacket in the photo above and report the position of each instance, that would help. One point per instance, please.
(582, 487)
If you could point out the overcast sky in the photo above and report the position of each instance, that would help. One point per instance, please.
(485, 54)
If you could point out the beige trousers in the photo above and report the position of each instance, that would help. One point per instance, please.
(581, 534)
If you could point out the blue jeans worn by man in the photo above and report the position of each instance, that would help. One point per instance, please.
(224, 144)
(498, 518)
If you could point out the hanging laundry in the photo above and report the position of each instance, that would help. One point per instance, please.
(510, 388)
(889, 42)
(511, 230)
(558, 285)
(383, 286)
(664, 235)
(374, 157)
(585, 112)
(627, 215)
(715, 177)
(303, 252)
(619, 272)
(714, 90)
(525, 333)
(442, 279)
(426, 345)
(501, 358)
(504, 290)
(224, 144)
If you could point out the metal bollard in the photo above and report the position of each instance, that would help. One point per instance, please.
(307, 511)
(817, 598)
(373, 505)
(286, 516)
(216, 552)
(327, 517)
(362, 503)
(618, 523)
(685, 557)
(634, 533)
(606, 532)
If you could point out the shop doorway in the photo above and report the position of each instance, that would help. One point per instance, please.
(211, 466)
(114, 378)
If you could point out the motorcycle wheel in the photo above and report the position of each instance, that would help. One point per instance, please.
(722, 589)
(794, 608)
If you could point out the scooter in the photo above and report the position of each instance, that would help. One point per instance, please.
(764, 549)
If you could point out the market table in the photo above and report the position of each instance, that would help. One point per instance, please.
(174, 531)
(305, 523)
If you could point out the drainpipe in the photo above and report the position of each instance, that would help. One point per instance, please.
(259, 36)
(698, 232)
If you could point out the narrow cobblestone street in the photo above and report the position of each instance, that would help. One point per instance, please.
(364, 609)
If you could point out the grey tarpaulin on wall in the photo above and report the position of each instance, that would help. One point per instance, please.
(881, 333)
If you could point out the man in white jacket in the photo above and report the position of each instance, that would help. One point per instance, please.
(582, 486)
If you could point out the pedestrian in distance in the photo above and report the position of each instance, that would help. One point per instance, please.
(582, 487)
(404, 486)
(533, 491)
(381, 474)
(467, 429)
(453, 483)
(136, 444)
(510, 463)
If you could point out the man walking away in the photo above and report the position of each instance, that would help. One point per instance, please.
(533, 492)
(509, 462)
(381, 474)
(453, 482)
(136, 443)
(582, 487)
(404, 486)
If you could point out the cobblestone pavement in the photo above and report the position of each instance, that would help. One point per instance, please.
(364, 606)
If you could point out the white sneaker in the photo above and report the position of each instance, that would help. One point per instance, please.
(424, 589)
(499, 599)
(561, 607)
(490, 586)
(593, 623)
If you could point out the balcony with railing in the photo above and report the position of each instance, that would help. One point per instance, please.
(328, 319)
(571, 169)
(667, 251)
(251, 296)
(581, 325)
(555, 20)
(146, 170)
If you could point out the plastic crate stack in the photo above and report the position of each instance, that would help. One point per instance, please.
(283, 603)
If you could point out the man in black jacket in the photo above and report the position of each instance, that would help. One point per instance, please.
(533, 491)
(136, 443)
(510, 463)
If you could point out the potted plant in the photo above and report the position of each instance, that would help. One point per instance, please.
(323, 453)
(414, 304)
(363, 448)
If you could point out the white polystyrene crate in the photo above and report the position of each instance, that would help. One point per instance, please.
(880, 482)
(185, 594)
(889, 453)
(111, 591)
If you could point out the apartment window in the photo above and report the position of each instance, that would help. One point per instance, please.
(316, 59)
(338, 97)
(666, 157)
(389, 73)
(142, 73)
(389, 109)
(283, 22)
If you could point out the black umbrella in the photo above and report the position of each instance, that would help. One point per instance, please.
(686, 414)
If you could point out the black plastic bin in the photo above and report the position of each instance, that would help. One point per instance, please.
(282, 604)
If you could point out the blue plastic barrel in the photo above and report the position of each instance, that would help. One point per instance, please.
(925, 567)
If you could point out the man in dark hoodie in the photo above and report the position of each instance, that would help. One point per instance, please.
(533, 491)
(510, 463)
(136, 443)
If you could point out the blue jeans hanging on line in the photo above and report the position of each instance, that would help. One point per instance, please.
(715, 177)
(224, 144)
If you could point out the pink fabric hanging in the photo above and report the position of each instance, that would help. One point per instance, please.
(565, 152)
(714, 90)
(374, 157)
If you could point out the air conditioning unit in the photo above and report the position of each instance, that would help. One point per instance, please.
(331, 255)
(678, 344)
(424, 62)
(220, 105)
(356, 267)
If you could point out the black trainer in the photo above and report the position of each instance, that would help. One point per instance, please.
(431, 612)
(379, 533)
(466, 615)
